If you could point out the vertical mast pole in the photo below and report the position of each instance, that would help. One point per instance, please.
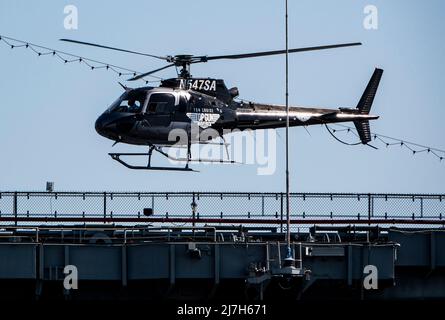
(289, 253)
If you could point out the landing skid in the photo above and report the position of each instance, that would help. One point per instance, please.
(116, 156)
(188, 159)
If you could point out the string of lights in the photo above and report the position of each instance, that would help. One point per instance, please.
(66, 58)
(387, 142)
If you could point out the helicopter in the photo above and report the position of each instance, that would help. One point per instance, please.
(147, 116)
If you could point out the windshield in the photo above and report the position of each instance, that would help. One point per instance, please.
(131, 102)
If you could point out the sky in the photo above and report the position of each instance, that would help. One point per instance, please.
(48, 109)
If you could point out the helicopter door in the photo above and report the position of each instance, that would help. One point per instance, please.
(161, 108)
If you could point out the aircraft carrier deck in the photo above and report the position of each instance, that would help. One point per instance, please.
(213, 245)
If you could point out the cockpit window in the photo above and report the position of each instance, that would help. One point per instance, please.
(161, 103)
(131, 102)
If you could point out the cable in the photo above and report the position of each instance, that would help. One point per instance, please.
(66, 57)
(400, 140)
(413, 147)
(346, 143)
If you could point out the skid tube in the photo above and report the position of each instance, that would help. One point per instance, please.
(117, 157)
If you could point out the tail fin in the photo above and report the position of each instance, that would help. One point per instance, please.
(364, 105)
(363, 130)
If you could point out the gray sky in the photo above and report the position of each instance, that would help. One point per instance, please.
(48, 109)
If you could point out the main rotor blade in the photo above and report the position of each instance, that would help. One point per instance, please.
(150, 72)
(112, 48)
(271, 53)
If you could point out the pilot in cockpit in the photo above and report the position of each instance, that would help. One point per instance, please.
(133, 105)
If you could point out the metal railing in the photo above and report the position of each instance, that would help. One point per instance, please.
(107, 234)
(248, 208)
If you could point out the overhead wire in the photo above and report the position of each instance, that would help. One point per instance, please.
(66, 58)
(387, 141)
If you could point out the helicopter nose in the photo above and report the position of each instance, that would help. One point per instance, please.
(102, 125)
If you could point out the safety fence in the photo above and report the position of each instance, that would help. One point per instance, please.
(249, 209)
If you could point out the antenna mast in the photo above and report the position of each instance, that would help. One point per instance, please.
(288, 240)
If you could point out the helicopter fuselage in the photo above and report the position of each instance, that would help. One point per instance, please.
(158, 115)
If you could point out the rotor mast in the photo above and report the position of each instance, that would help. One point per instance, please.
(184, 62)
(185, 71)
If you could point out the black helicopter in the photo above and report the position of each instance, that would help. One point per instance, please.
(148, 115)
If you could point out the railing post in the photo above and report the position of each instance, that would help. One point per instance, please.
(421, 207)
(193, 204)
(370, 209)
(281, 213)
(262, 205)
(15, 207)
(105, 205)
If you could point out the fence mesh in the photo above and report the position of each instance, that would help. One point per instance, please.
(249, 209)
